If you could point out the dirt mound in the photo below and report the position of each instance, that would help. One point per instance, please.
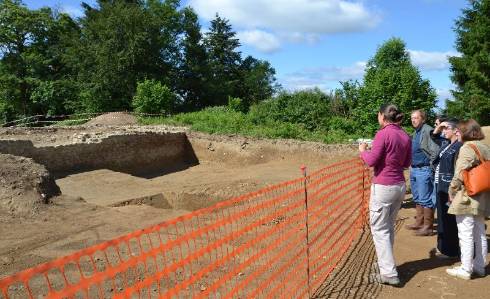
(24, 185)
(113, 119)
(486, 131)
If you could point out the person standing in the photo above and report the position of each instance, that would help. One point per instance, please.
(470, 211)
(424, 151)
(447, 231)
(438, 138)
(389, 155)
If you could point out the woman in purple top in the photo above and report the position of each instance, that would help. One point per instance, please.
(389, 155)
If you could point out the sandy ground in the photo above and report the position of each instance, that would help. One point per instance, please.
(422, 275)
(191, 189)
(100, 205)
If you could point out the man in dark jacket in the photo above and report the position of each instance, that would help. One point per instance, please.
(424, 152)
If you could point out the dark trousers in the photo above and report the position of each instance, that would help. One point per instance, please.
(447, 230)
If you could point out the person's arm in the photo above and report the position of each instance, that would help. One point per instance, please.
(373, 156)
(437, 138)
(466, 160)
(428, 146)
(408, 156)
(435, 134)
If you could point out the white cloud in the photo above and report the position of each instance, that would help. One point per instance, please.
(261, 40)
(431, 60)
(443, 94)
(298, 37)
(292, 20)
(323, 76)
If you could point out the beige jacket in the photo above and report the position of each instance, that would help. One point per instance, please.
(462, 203)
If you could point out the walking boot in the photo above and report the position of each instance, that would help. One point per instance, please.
(419, 219)
(427, 228)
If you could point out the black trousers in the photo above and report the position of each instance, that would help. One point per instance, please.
(447, 230)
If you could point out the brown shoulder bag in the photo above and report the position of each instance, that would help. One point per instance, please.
(477, 179)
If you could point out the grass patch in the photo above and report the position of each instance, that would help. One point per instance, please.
(221, 120)
(70, 122)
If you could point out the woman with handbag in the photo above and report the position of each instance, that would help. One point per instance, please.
(469, 205)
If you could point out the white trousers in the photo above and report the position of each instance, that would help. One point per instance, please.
(384, 204)
(473, 242)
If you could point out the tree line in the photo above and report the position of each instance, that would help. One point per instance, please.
(153, 56)
(54, 64)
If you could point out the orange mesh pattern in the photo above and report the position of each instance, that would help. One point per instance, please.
(280, 241)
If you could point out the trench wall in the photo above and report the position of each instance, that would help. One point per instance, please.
(130, 153)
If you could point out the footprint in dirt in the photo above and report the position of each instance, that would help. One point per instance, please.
(440, 287)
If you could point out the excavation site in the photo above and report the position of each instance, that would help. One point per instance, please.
(230, 211)
(100, 182)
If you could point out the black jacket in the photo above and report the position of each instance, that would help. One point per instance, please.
(446, 164)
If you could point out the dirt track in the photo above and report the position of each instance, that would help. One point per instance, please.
(102, 204)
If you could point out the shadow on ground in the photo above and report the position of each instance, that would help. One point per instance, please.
(353, 277)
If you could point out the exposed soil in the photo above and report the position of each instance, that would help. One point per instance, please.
(421, 274)
(102, 204)
(113, 119)
(24, 185)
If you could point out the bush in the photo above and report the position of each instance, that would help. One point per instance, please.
(91, 99)
(309, 108)
(54, 97)
(302, 115)
(223, 120)
(153, 97)
(7, 112)
(237, 105)
(337, 123)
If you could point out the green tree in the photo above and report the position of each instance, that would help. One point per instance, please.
(346, 99)
(57, 88)
(54, 97)
(258, 81)
(391, 77)
(32, 47)
(194, 70)
(309, 108)
(17, 40)
(122, 43)
(224, 60)
(166, 27)
(471, 71)
(153, 97)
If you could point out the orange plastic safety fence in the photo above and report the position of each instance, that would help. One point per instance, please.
(280, 241)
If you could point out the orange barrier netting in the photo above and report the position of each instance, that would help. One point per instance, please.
(280, 241)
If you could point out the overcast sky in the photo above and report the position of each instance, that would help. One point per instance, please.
(321, 42)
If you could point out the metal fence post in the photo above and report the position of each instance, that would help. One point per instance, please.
(303, 170)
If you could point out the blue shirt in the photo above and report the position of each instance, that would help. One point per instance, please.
(419, 158)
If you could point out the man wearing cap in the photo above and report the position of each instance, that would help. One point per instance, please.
(424, 151)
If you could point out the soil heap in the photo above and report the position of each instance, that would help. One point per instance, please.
(113, 119)
(24, 185)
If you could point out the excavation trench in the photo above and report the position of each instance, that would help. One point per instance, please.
(162, 168)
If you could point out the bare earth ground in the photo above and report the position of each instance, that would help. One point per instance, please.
(100, 205)
(421, 275)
